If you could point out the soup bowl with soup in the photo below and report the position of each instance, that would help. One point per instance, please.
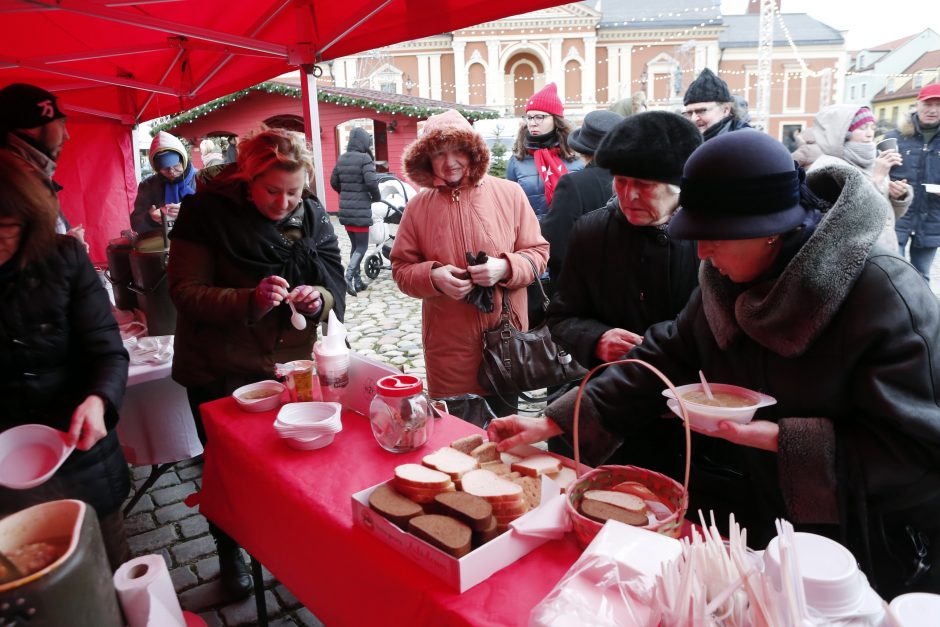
(730, 402)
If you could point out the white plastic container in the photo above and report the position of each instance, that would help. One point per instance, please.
(707, 417)
(30, 455)
(265, 403)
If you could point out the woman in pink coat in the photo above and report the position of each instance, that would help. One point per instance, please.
(462, 210)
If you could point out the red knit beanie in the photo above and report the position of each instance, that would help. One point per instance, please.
(547, 100)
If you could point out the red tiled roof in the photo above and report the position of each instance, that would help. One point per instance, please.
(927, 61)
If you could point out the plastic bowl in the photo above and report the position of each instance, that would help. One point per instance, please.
(310, 444)
(30, 455)
(259, 404)
(916, 609)
(832, 581)
(707, 417)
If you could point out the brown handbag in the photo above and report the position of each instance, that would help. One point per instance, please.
(515, 361)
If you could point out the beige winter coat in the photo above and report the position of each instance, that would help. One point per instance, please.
(440, 226)
(825, 145)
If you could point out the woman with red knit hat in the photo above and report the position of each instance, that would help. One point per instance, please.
(541, 154)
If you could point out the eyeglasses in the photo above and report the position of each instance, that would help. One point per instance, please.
(537, 118)
(10, 231)
(689, 113)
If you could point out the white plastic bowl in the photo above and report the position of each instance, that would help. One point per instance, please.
(259, 404)
(30, 455)
(707, 417)
(833, 584)
(309, 425)
(303, 444)
(916, 609)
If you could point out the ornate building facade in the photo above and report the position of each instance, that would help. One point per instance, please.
(602, 50)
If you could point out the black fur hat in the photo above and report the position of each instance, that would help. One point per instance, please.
(652, 146)
(707, 88)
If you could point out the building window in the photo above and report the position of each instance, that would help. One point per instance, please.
(918, 80)
(852, 92)
(863, 89)
(389, 88)
(894, 115)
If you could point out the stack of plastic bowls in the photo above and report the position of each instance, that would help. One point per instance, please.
(308, 426)
(832, 582)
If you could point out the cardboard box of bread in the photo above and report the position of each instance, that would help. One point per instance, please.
(450, 513)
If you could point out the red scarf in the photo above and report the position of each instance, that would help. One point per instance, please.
(550, 167)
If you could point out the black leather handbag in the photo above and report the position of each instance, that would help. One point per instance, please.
(515, 362)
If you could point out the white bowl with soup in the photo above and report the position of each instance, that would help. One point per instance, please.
(260, 396)
(730, 402)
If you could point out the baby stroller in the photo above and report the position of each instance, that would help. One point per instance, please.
(386, 215)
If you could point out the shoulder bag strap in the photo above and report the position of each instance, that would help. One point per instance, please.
(545, 299)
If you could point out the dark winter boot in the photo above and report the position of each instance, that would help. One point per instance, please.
(233, 571)
(350, 284)
(358, 283)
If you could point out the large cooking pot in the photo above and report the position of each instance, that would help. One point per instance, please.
(75, 589)
(119, 272)
(148, 266)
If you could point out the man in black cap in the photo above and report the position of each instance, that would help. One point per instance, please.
(578, 192)
(32, 127)
(711, 107)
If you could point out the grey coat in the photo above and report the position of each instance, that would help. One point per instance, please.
(845, 338)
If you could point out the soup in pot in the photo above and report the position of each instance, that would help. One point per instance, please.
(722, 399)
(33, 557)
(255, 395)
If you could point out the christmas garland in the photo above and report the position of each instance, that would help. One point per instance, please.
(270, 87)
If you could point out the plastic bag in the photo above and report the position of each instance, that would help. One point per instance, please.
(470, 408)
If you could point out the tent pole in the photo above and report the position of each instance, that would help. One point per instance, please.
(308, 85)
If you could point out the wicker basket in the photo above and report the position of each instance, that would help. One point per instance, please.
(671, 491)
(606, 477)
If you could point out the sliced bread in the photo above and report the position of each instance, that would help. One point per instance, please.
(531, 489)
(418, 476)
(496, 467)
(450, 461)
(467, 444)
(564, 477)
(394, 506)
(486, 452)
(602, 512)
(482, 537)
(474, 511)
(537, 465)
(622, 500)
(421, 495)
(491, 486)
(446, 533)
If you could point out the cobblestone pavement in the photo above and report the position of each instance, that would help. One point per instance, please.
(383, 323)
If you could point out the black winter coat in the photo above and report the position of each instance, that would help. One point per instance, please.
(354, 178)
(576, 194)
(921, 165)
(61, 344)
(617, 275)
(845, 338)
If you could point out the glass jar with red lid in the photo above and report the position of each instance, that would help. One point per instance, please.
(400, 414)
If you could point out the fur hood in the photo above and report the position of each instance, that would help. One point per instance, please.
(442, 129)
(788, 313)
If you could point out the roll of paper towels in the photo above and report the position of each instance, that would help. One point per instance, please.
(146, 593)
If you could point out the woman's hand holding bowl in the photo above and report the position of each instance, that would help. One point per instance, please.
(512, 431)
(490, 273)
(760, 434)
(451, 281)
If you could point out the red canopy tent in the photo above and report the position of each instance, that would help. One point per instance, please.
(114, 63)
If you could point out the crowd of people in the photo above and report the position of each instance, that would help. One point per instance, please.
(685, 239)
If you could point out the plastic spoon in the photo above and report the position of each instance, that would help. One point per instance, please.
(300, 323)
(705, 386)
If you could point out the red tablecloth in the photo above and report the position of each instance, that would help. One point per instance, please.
(291, 510)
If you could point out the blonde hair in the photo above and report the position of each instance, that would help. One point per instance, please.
(28, 199)
(273, 149)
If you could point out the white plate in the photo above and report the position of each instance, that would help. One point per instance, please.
(932, 188)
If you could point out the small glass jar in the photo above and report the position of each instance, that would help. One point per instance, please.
(400, 414)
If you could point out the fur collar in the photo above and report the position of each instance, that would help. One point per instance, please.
(788, 313)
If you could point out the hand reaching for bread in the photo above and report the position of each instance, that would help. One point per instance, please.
(512, 431)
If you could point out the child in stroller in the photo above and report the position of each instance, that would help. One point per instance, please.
(386, 216)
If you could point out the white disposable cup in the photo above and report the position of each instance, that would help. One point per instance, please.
(887, 144)
(332, 372)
